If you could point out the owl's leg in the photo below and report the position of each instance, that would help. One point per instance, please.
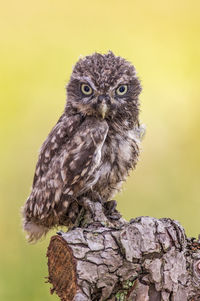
(109, 207)
(79, 219)
(94, 210)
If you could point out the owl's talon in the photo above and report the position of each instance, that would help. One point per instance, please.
(59, 233)
(111, 211)
(110, 206)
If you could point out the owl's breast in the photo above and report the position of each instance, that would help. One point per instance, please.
(119, 156)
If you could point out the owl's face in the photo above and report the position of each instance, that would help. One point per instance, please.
(104, 86)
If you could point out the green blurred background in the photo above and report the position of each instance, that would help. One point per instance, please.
(40, 42)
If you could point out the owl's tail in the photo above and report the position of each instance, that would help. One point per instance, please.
(34, 231)
(32, 224)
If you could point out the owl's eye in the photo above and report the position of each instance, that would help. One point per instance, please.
(121, 90)
(86, 89)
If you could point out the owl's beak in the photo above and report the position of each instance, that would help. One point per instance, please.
(102, 106)
(103, 109)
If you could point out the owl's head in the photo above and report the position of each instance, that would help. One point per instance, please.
(105, 86)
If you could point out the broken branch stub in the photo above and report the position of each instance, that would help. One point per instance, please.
(146, 259)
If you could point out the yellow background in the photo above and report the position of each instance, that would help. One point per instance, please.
(40, 42)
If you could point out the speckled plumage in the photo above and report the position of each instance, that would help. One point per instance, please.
(91, 149)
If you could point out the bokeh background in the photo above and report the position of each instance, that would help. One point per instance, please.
(40, 41)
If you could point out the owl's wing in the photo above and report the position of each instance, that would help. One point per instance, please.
(61, 132)
(66, 165)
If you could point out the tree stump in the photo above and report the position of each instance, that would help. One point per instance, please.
(146, 259)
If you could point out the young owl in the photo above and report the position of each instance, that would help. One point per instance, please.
(93, 146)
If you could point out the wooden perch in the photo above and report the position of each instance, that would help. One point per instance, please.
(146, 259)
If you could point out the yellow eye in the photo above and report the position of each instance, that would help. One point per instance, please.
(121, 90)
(86, 89)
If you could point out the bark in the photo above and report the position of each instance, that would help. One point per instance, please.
(146, 259)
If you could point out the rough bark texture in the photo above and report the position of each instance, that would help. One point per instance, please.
(146, 259)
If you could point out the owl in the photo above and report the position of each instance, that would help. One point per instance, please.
(93, 146)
